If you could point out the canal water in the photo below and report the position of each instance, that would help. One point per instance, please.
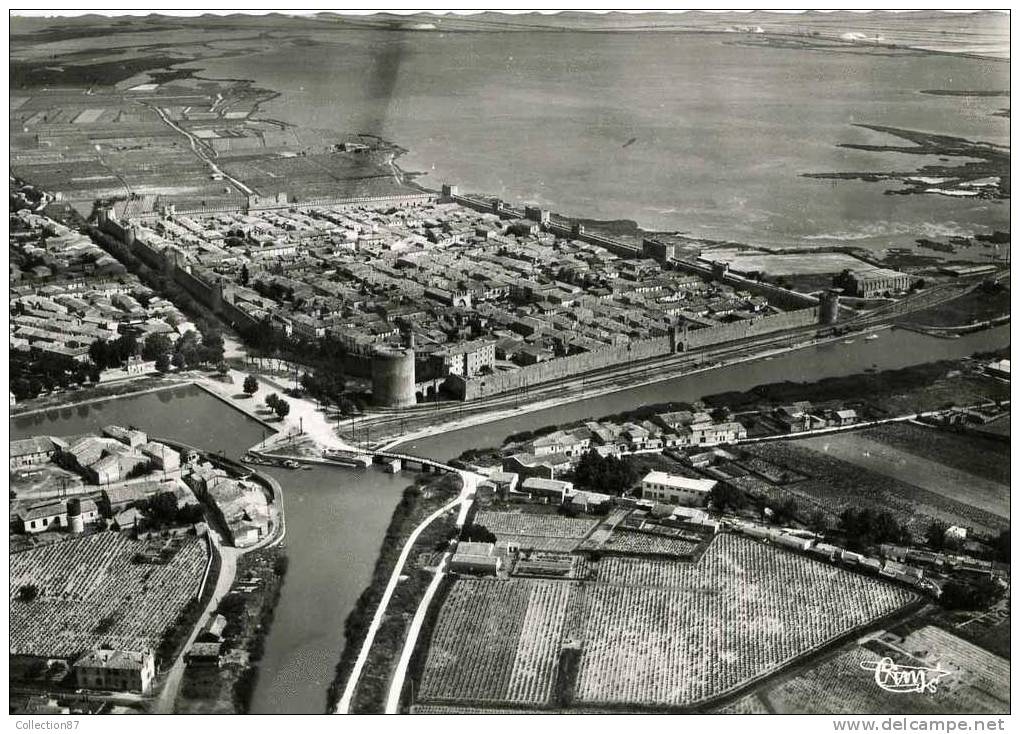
(895, 348)
(336, 518)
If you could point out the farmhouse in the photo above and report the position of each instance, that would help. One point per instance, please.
(203, 655)
(662, 487)
(552, 488)
(504, 482)
(708, 433)
(116, 670)
(128, 436)
(48, 516)
(162, 456)
(31, 451)
(475, 558)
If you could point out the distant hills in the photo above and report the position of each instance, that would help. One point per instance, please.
(973, 32)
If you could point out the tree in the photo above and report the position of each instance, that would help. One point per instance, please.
(251, 384)
(978, 594)
(155, 345)
(163, 363)
(212, 346)
(818, 521)
(935, 534)
(223, 369)
(1001, 546)
(178, 361)
(272, 399)
(282, 408)
(725, 497)
(476, 533)
(244, 277)
(863, 528)
(162, 508)
(786, 510)
(28, 592)
(607, 474)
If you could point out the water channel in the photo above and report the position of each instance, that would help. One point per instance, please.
(336, 518)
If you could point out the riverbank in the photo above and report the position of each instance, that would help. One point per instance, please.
(248, 608)
(123, 390)
(577, 390)
(388, 632)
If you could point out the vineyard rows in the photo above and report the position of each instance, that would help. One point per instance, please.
(539, 644)
(652, 632)
(91, 593)
(625, 571)
(546, 543)
(624, 541)
(475, 641)
(742, 611)
(496, 641)
(517, 523)
(984, 671)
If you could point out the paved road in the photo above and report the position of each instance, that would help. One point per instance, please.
(470, 481)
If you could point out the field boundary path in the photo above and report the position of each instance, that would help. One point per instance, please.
(470, 480)
(397, 683)
(167, 697)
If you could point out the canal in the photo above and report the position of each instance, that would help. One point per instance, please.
(336, 518)
(894, 348)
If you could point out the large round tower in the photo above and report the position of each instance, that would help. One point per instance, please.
(828, 311)
(393, 377)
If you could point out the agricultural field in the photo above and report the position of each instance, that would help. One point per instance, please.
(743, 611)
(520, 523)
(976, 455)
(643, 543)
(497, 642)
(978, 682)
(749, 704)
(552, 533)
(90, 592)
(644, 633)
(901, 463)
(834, 484)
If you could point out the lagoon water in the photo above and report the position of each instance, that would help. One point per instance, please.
(721, 131)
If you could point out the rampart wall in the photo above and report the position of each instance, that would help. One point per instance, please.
(576, 364)
(696, 338)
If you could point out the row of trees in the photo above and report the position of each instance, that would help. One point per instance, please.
(866, 527)
(34, 373)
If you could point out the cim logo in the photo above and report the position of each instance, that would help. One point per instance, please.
(895, 678)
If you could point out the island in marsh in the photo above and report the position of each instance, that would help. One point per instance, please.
(983, 171)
